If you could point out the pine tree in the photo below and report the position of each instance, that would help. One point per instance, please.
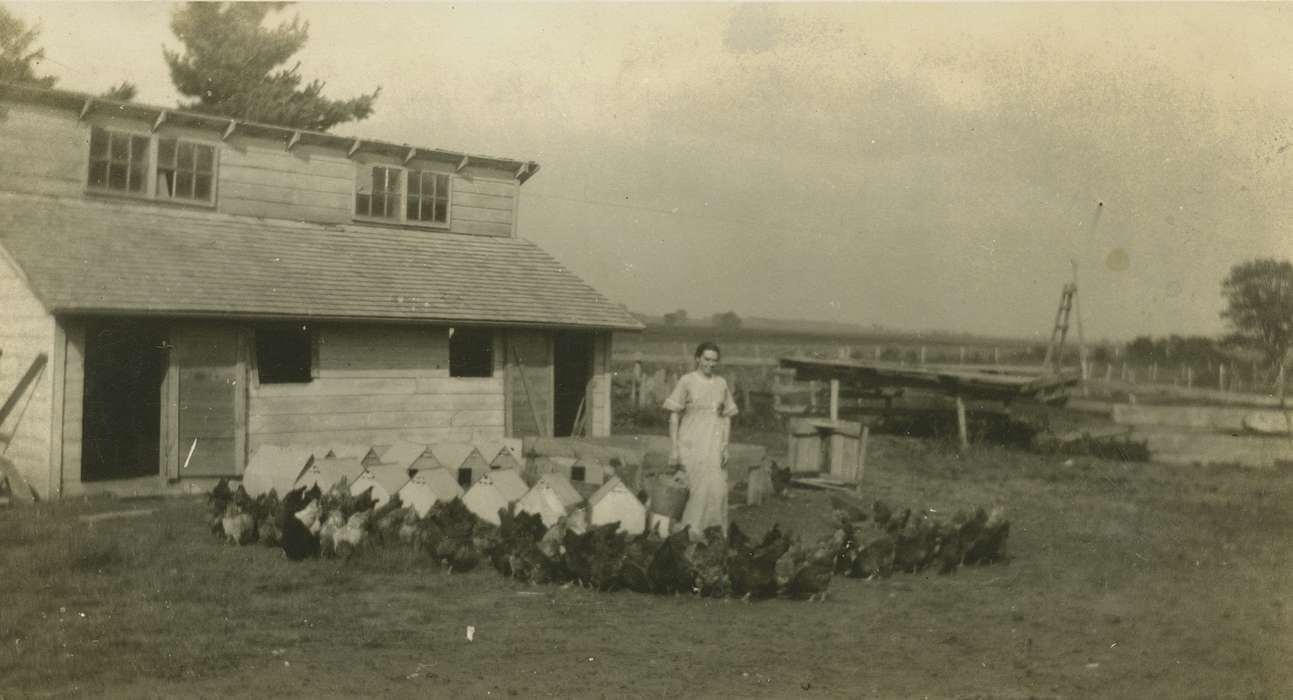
(233, 65)
(17, 57)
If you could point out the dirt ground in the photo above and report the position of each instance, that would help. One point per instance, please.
(1126, 581)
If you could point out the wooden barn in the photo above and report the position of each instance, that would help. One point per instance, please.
(178, 290)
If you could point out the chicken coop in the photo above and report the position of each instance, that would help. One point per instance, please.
(551, 498)
(836, 448)
(463, 460)
(382, 480)
(428, 487)
(614, 502)
(411, 456)
(275, 468)
(485, 499)
(327, 472)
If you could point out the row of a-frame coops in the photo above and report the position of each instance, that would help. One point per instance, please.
(488, 477)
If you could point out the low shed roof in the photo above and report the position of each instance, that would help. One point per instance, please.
(100, 256)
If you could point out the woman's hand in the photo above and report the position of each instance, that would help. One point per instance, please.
(725, 456)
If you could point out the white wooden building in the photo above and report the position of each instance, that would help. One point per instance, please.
(198, 287)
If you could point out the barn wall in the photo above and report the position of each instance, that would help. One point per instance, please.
(377, 384)
(26, 331)
(46, 151)
(530, 382)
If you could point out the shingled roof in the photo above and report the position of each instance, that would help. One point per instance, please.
(101, 256)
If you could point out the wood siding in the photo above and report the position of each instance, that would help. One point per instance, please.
(42, 151)
(529, 366)
(73, 403)
(378, 384)
(26, 331)
(600, 387)
(45, 151)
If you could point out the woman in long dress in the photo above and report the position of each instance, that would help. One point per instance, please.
(700, 412)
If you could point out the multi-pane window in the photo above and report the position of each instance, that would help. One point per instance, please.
(428, 200)
(378, 191)
(118, 161)
(185, 170)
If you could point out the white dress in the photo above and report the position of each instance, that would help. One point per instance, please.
(706, 407)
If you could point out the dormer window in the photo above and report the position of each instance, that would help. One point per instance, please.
(428, 197)
(377, 193)
(185, 170)
(121, 163)
(118, 161)
(397, 195)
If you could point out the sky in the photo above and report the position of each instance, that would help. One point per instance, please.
(912, 166)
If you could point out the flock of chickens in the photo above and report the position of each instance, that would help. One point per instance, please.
(335, 523)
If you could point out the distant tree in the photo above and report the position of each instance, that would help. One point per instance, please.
(1259, 307)
(727, 321)
(233, 65)
(124, 91)
(675, 318)
(17, 56)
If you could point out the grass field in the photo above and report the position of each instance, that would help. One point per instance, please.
(1126, 581)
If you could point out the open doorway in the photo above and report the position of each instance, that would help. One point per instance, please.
(125, 363)
(572, 368)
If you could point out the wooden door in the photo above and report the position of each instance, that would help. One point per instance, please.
(206, 382)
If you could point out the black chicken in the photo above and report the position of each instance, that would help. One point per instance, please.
(708, 560)
(298, 522)
(635, 570)
(881, 513)
(669, 571)
(874, 559)
(753, 570)
(217, 503)
(914, 545)
(990, 545)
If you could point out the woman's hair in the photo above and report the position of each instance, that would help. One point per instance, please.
(707, 345)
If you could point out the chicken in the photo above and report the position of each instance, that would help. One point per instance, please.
(269, 517)
(914, 545)
(384, 525)
(758, 577)
(447, 533)
(300, 524)
(408, 527)
(669, 571)
(990, 545)
(897, 523)
(853, 509)
(708, 560)
(881, 513)
(217, 503)
(635, 570)
(350, 538)
(238, 526)
(780, 479)
(948, 543)
(874, 559)
(332, 524)
(807, 570)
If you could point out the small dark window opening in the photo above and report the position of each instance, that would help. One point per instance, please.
(464, 477)
(471, 352)
(284, 354)
(578, 473)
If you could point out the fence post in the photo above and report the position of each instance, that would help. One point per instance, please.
(1221, 377)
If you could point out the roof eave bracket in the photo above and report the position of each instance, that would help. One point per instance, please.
(85, 108)
(161, 119)
(462, 164)
(228, 130)
(296, 138)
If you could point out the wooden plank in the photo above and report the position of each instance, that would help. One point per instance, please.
(270, 406)
(252, 207)
(483, 201)
(460, 385)
(303, 162)
(481, 229)
(261, 424)
(57, 414)
(482, 185)
(363, 436)
(343, 387)
(474, 214)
